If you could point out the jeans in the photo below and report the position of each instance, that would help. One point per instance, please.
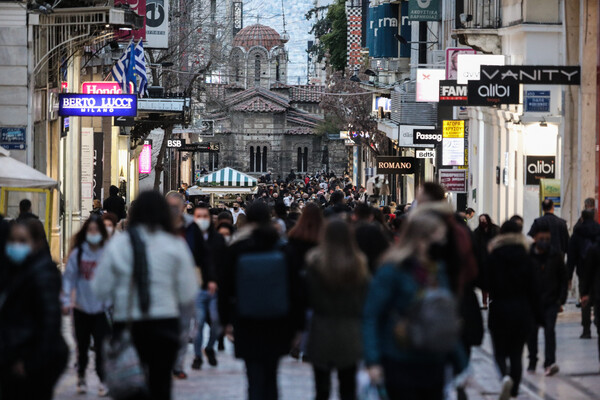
(262, 378)
(550, 315)
(206, 310)
(185, 320)
(511, 349)
(87, 326)
(346, 378)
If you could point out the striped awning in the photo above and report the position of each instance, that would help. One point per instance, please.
(229, 177)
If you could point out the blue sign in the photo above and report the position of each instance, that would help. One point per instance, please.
(13, 138)
(98, 105)
(382, 26)
(537, 101)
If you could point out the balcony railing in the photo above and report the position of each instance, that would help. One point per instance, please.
(478, 14)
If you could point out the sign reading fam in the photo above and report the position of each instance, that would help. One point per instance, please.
(98, 105)
(395, 165)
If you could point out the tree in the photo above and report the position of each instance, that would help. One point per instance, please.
(331, 34)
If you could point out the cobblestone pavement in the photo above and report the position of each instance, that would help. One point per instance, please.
(579, 378)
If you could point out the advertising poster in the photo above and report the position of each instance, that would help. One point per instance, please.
(87, 171)
(453, 143)
(453, 180)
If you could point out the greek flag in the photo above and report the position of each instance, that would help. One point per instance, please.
(130, 74)
(120, 67)
(140, 68)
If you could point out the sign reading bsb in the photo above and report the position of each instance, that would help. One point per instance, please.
(97, 105)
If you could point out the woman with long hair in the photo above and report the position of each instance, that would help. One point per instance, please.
(337, 280)
(33, 353)
(89, 314)
(306, 233)
(162, 285)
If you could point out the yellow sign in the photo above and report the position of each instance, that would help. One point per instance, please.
(550, 189)
(454, 129)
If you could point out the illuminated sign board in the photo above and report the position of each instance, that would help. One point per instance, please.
(97, 105)
(101, 88)
(395, 165)
(145, 159)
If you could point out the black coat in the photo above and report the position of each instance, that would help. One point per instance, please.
(558, 231)
(208, 254)
(590, 284)
(259, 339)
(372, 242)
(30, 316)
(551, 275)
(585, 235)
(515, 306)
(481, 241)
(115, 205)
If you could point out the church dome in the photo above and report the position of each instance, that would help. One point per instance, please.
(257, 35)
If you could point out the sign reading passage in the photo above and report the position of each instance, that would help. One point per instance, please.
(454, 180)
(395, 165)
(98, 105)
(539, 167)
(482, 93)
(427, 136)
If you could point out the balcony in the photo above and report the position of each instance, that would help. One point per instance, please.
(477, 24)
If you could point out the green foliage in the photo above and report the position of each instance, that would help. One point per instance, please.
(331, 124)
(331, 34)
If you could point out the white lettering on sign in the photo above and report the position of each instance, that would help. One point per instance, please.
(454, 91)
(428, 136)
(425, 153)
(494, 90)
(540, 167)
(89, 103)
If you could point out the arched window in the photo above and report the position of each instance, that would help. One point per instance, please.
(277, 70)
(299, 162)
(264, 160)
(258, 160)
(305, 159)
(237, 68)
(251, 158)
(257, 69)
(213, 161)
(302, 163)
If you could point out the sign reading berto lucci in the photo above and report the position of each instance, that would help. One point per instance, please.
(98, 105)
(395, 165)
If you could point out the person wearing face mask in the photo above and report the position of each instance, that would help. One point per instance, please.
(89, 313)
(551, 274)
(226, 230)
(236, 211)
(110, 223)
(33, 352)
(483, 234)
(207, 246)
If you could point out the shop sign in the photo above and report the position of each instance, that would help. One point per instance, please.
(12, 138)
(175, 143)
(537, 101)
(395, 165)
(98, 105)
(452, 60)
(454, 180)
(145, 159)
(469, 66)
(425, 153)
(487, 93)
(101, 88)
(427, 136)
(139, 6)
(428, 84)
(87, 169)
(453, 129)
(406, 135)
(453, 143)
(531, 74)
(539, 167)
(453, 94)
(157, 24)
(550, 190)
(424, 10)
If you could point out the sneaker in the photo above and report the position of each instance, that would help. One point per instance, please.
(81, 386)
(102, 390)
(210, 356)
(197, 363)
(507, 385)
(552, 370)
(179, 375)
(586, 335)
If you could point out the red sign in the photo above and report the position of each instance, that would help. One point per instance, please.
(139, 6)
(64, 86)
(454, 180)
(145, 160)
(101, 88)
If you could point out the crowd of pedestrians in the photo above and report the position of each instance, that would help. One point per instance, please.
(310, 267)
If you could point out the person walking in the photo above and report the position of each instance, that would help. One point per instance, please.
(514, 307)
(161, 287)
(33, 352)
(590, 286)
(25, 211)
(551, 275)
(260, 301)
(89, 314)
(558, 227)
(393, 355)
(337, 281)
(482, 236)
(115, 203)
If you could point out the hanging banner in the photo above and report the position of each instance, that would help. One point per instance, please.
(469, 66)
(395, 165)
(453, 94)
(424, 10)
(157, 24)
(145, 159)
(538, 168)
(428, 84)
(97, 105)
(383, 25)
(485, 93)
(405, 31)
(531, 74)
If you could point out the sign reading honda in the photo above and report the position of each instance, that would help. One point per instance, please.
(97, 105)
(427, 136)
(532, 74)
(539, 167)
(157, 24)
(101, 88)
(486, 93)
(453, 94)
(395, 165)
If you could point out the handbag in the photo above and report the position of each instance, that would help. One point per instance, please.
(125, 375)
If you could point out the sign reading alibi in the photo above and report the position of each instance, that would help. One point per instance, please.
(424, 10)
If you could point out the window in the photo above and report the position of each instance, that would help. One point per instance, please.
(258, 159)
(251, 158)
(257, 68)
(277, 70)
(213, 161)
(236, 62)
(302, 163)
(264, 160)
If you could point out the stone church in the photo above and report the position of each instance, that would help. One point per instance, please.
(263, 124)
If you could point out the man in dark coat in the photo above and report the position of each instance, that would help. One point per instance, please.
(551, 275)
(337, 205)
(558, 227)
(369, 236)
(25, 211)
(590, 286)
(115, 203)
(585, 235)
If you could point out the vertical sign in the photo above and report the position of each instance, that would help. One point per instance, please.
(238, 17)
(157, 24)
(453, 143)
(98, 164)
(87, 171)
(145, 160)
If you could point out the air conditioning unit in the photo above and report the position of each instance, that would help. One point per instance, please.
(436, 57)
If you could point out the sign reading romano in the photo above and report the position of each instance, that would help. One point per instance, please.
(482, 93)
(395, 165)
(427, 136)
(97, 105)
(532, 74)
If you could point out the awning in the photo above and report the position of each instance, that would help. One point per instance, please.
(229, 177)
(15, 174)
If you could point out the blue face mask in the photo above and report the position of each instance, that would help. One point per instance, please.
(17, 252)
(93, 238)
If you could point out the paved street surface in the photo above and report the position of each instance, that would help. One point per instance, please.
(579, 378)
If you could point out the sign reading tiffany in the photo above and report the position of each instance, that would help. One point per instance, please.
(98, 105)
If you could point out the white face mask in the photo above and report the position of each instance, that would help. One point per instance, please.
(110, 230)
(203, 224)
